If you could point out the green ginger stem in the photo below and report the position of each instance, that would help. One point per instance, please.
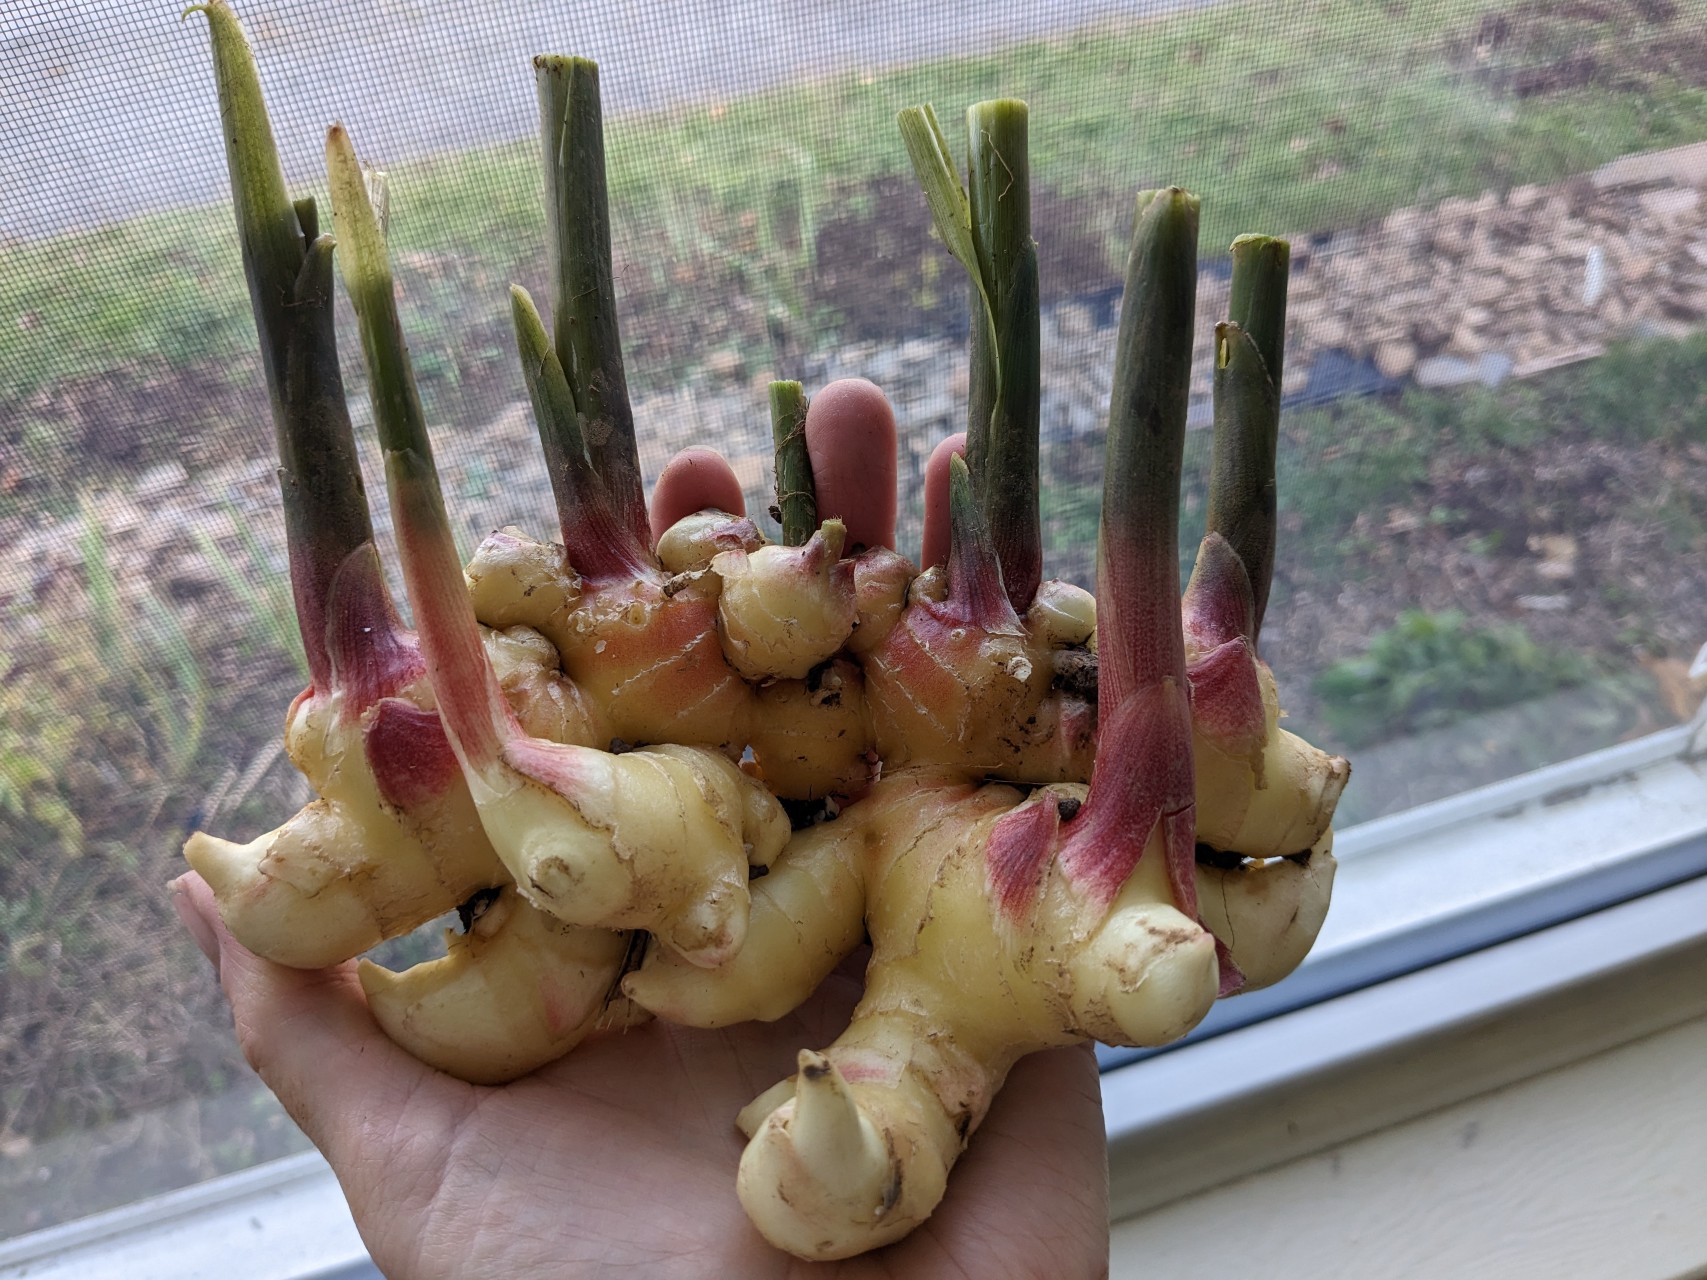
(1004, 392)
(600, 545)
(974, 571)
(796, 498)
(1138, 586)
(1248, 355)
(1257, 301)
(583, 296)
(288, 265)
(466, 690)
(989, 234)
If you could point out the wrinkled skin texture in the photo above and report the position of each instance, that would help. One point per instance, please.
(618, 1157)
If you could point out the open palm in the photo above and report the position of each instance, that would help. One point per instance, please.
(621, 1157)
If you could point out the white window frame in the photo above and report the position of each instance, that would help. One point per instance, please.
(1471, 943)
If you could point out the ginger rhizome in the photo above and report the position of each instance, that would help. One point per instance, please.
(1055, 817)
(658, 838)
(1004, 921)
(394, 839)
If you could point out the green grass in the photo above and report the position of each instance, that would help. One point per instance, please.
(1345, 469)
(1361, 457)
(1431, 670)
(1285, 116)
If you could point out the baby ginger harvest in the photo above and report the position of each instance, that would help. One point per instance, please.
(1055, 818)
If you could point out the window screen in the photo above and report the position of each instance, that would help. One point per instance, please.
(1493, 477)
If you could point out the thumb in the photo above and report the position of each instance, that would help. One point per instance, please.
(309, 1036)
(696, 478)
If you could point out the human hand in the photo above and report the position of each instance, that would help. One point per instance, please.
(622, 1155)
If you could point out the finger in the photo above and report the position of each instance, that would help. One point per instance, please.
(935, 549)
(691, 481)
(309, 1036)
(850, 438)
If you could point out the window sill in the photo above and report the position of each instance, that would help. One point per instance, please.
(286, 1220)
(1268, 1093)
(1473, 942)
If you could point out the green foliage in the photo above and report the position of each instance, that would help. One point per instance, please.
(1249, 101)
(1364, 454)
(1480, 419)
(105, 713)
(94, 732)
(263, 591)
(1638, 391)
(1360, 455)
(1428, 670)
(1342, 467)
(36, 742)
(149, 673)
(1069, 512)
(1641, 390)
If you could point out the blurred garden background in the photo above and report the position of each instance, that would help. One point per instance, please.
(1493, 479)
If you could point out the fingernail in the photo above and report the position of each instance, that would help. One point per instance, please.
(193, 922)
